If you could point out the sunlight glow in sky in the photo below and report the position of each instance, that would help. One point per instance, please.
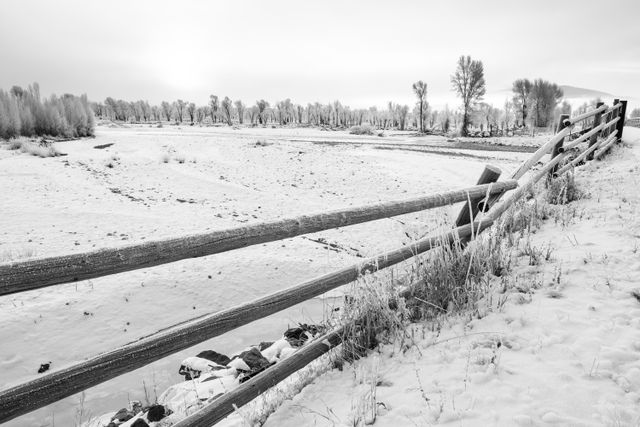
(360, 52)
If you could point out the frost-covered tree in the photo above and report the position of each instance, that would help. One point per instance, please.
(262, 110)
(545, 96)
(240, 109)
(402, 112)
(179, 107)
(468, 82)
(167, 109)
(420, 89)
(191, 110)
(226, 107)
(521, 92)
(213, 107)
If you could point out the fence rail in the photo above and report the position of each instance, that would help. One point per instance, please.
(27, 275)
(33, 274)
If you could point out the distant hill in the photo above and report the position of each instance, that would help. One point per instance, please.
(573, 92)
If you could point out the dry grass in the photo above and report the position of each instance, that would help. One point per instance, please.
(34, 148)
(362, 130)
(563, 190)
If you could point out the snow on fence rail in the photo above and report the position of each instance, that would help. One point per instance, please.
(33, 274)
(22, 276)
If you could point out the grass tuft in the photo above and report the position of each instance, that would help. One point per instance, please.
(362, 130)
(563, 190)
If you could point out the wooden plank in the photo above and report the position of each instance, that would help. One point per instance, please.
(622, 116)
(606, 145)
(542, 151)
(575, 162)
(245, 392)
(497, 210)
(582, 138)
(470, 209)
(557, 149)
(594, 138)
(610, 124)
(598, 110)
(33, 274)
(57, 385)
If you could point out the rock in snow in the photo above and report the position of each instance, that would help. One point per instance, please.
(208, 375)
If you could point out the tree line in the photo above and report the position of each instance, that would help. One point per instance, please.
(24, 113)
(534, 103)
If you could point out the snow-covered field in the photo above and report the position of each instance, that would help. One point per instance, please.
(563, 348)
(164, 182)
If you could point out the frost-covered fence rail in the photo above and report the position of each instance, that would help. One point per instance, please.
(63, 383)
(33, 274)
(59, 384)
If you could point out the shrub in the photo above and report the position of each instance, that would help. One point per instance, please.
(362, 130)
(563, 190)
(22, 112)
(33, 148)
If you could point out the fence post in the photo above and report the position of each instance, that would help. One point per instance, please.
(607, 119)
(557, 148)
(489, 174)
(594, 138)
(622, 112)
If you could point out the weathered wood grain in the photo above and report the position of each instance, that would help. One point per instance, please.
(470, 209)
(33, 274)
(496, 211)
(582, 138)
(544, 149)
(606, 144)
(573, 120)
(557, 149)
(623, 116)
(594, 138)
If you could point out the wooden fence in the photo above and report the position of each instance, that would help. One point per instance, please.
(483, 198)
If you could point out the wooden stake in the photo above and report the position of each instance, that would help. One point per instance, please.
(594, 138)
(623, 113)
(558, 147)
(489, 175)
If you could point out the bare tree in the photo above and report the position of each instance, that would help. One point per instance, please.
(166, 109)
(213, 108)
(521, 91)
(468, 82)
(226, 106)
(420, 89)
(544, 99)
(191, 110)
(508, 113)
(240, 108)
(262, 107)
(179, 107)
(402, 115)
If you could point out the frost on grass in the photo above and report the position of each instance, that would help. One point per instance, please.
(362, 130)
(563, 190)
(35, 148)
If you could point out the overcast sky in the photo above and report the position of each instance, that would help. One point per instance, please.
(360, 52)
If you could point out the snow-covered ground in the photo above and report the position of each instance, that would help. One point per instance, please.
(213, 178)
(563, 349)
